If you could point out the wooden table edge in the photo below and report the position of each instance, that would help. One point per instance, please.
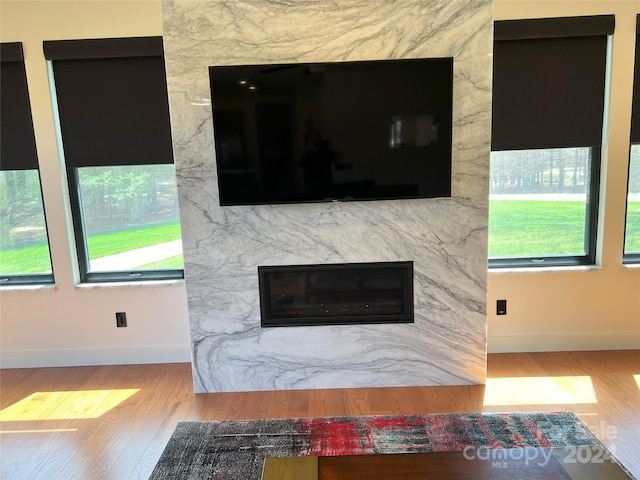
(573, 460)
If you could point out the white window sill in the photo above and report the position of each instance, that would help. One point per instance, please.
(38, 287)
(131, 284)
(554, 268)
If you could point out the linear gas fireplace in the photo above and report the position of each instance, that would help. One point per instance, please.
(336, 294)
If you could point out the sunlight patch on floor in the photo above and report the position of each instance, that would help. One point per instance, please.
(40, 430)
(539, 390)
(79, 404)
(637, 379)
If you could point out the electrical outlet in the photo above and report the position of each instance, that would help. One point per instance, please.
(501, 307)
(121, 319)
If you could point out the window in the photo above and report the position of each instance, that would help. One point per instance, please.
(24, 246)
(548, 109)
(632, 229)
(111, 98)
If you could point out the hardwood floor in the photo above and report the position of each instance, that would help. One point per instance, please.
(114, 421)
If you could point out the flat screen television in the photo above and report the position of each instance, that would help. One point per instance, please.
(338, 131)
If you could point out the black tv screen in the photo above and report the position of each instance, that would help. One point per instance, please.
(339, 131)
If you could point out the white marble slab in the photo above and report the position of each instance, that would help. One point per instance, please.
(445, 238)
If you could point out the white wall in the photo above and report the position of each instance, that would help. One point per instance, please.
(67, 325)
(579, 308)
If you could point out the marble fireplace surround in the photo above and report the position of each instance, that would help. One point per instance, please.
(445, 238)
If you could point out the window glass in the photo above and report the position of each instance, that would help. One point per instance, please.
(24, 246)
(538, 204)
(130, 217)
(632, 231)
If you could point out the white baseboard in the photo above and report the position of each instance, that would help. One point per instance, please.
(582, 341)
(623, 340)
(95, 356)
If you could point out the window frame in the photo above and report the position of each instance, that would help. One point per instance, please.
(96, 49)
(591, 231)
(82, 250)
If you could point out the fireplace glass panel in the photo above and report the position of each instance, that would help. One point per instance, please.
(336, 294)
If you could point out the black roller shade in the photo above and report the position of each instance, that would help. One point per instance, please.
(11, 52)
(635, 109)
(548, 92)
(113, 109)
(17, 140)
(560, 27)
(103, 48)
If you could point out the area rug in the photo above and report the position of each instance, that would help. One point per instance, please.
(233, 450)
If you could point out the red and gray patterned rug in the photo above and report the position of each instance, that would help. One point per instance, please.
(236, 449)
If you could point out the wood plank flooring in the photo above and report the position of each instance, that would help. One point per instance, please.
(112, 422)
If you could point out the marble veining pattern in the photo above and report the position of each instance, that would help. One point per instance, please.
(445, 238)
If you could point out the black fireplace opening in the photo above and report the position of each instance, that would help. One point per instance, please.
(336, 294)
